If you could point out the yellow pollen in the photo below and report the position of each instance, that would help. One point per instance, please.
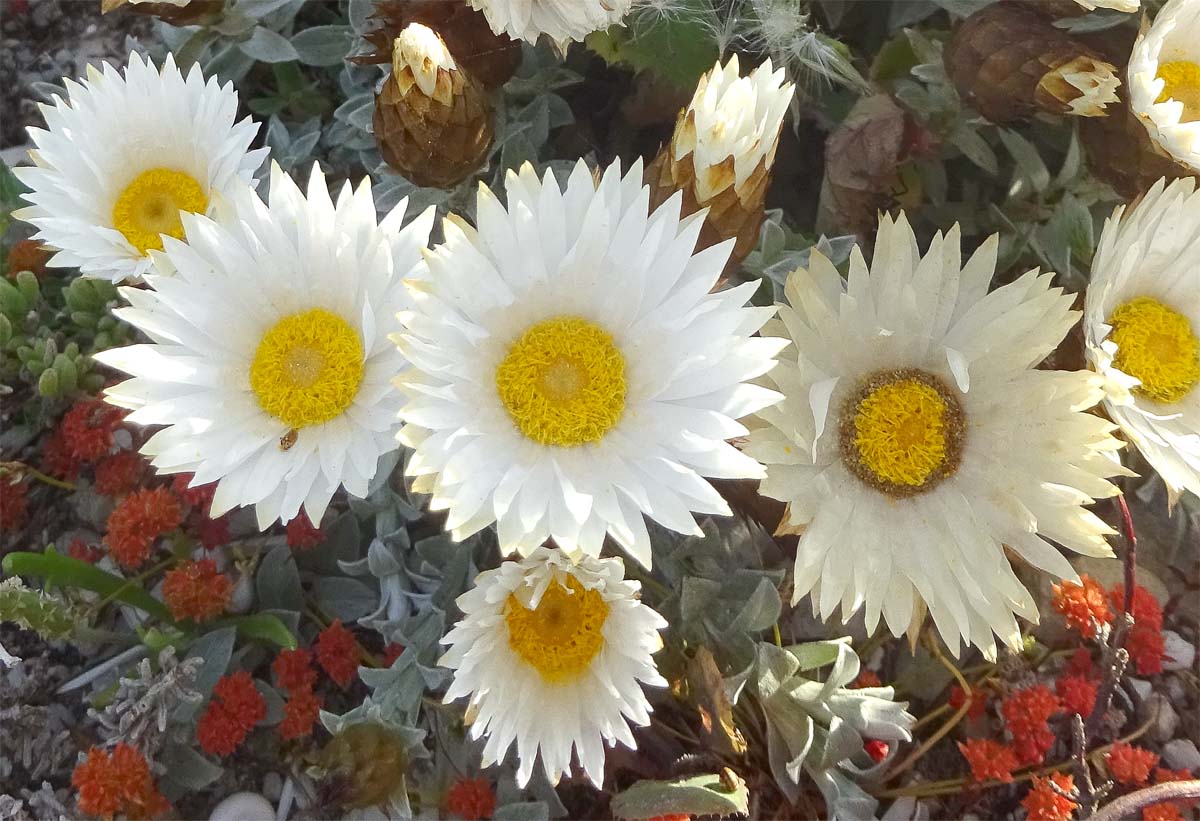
(560, 637)
(1158, 346)
(1181, 82)
(563, 382)
(307, 368)
(150, 206)
(901, 433)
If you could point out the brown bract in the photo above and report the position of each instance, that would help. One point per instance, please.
(1121, 153)
(195, 11)
(437, 140)
(1008, 62)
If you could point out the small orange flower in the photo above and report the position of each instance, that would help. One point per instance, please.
(57, 459)
(212, 532)
(300, 713)
(198, 497)
(28, 255)
(119, 473)
(88, 428)
(1043, 803)
(338, 653)
(293, 669)
(14, 508)
(1026, 713)
(1166, 811)
(1077, 693)
(867, 678)
(1146, 609)
(119, 782)
(1130, 765)
(979, 699)
(137, 521)
(472, 799)
(1083, 606)
(989, 759)
(301, 534)
(196, 591)
(235, 708)
(1162, 775)
(392, 652)
(84, 552)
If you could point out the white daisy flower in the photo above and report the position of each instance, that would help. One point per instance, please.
(571, 371)
(1127, 6)
(1164, 80)
(554, 654)
(1142, 328)
(269, 363)
(127, 154)
(917, 442)
(562, 20)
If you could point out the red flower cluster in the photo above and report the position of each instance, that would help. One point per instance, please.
(1083, 606)
(867, 678)
(84, 552)
(979, 699)
(1043, 803)
(1130, 765)
(1166, 811)
(1145, 640)
(119, 474)
(1170, 810)
(235, 708)
(989, 759)
(301, 534)
(295, 675)
(212, 532)
(119, 782)
(392, 652)
(876, 749)
(196, 591)
(14, 508)
(473, 798)
(337, 651)
(293, 669)
(137, 521)
(57, 459)
(199, 497)
(1026, 713)
(88, 427)
(1081, 663)
(1077, 693)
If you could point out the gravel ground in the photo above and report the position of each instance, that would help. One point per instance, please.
(46, 40)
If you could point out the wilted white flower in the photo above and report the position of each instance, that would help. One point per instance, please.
(1164, 81)
(562, 20)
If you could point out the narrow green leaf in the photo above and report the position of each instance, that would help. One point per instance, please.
(67, 572)
(261, 627)
(698, 795)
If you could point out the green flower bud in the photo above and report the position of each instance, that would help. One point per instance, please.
(27, 284)
(68, 374)
(84, 319)
(48, 383)
(6, 330)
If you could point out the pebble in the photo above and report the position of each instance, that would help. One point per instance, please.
(1180, 654)
(1166, 720)
(272, 786)
(243, 595)
(1142, 687)
(243, 806)
(1181, 754)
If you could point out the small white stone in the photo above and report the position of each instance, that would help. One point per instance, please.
(242, 596)
(1142, 687)
(1181, 754)
(243, 806)
(1180, 654)
(272, 786)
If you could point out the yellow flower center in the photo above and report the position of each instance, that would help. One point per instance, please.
(560, 637)
(307, 368)
(902, 432)
(1158, 346)
(1181, 82)
(150, 205)
(563, 382)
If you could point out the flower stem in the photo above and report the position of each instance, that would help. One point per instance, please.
(22, 469)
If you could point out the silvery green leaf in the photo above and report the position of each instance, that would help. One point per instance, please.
(697, 795)
(259, 8)
(234, 24)
(273, 701)
(268, 46)
(515, 152)
(341, 544)
(184, 765)
(215, 648)
(346, 599)
(816, 654)
(963, 8)
(975, 148)
(357, 111)
(323, 45)
(696, 597)
(359, 11)
(845, 800)
(523, 811)
(761, 610)
(191, 49)
(1029, 161)
(278, 581)
(382, 560)
(278, 137)
(906, 12)
(229, 64)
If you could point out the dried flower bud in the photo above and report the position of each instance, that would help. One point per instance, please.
(1122, 153)
(722, 151)
(1009, 62)
(365, 764)
(175, 12)
(1055, 9)
(492, 58)
(433, 121)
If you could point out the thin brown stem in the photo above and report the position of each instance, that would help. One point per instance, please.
(21, 469)
(1128, 806)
